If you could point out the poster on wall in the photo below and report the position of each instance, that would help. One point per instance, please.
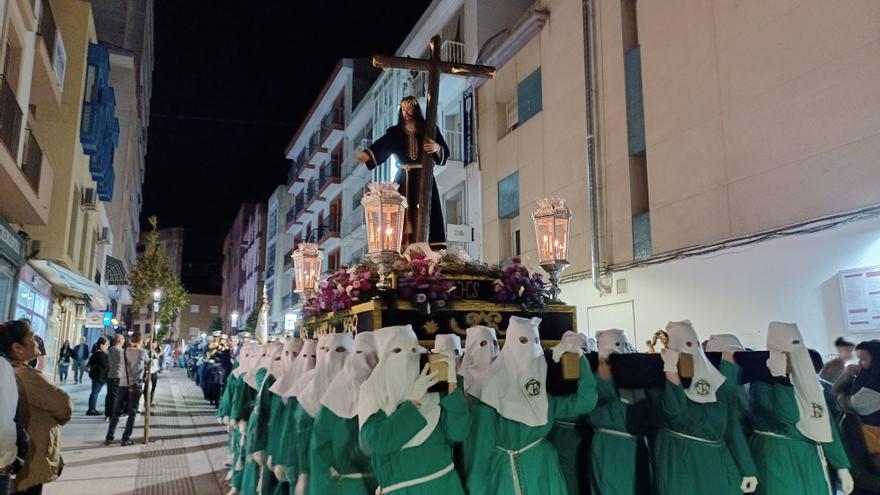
(860, 298)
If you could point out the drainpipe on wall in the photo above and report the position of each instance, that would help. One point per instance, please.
(601, 283)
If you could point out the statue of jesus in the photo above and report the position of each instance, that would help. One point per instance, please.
(407, 141)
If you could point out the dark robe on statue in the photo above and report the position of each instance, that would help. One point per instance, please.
(408, 148)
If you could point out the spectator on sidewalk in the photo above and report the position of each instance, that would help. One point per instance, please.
(99, 366)
(834, 368)
(131, 381)
(155, 368)
(80, 358)
(114, 357)
(39, 362)
(8, 430)
(65, 355)
(44, 408)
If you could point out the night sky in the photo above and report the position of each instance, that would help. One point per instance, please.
(232, 81)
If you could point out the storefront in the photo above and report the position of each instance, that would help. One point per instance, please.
(11, 259)
(33, 299)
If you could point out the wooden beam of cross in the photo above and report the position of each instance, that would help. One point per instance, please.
(434, 67)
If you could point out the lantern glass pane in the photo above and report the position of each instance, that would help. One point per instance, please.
(374, 227)
(546, 238)
(561, 238)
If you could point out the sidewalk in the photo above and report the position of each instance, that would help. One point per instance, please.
(186, 453)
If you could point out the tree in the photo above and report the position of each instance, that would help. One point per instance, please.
(251, 324)
(216, 324)
(153, 272)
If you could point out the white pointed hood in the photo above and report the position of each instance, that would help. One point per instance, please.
(613, 341)
(292, 348)
(814, 422)
(389, 384)
(260, 359)
(332, 351)
(707, 379)
(342, 394)
(245, 359)
(305, 362)
(516, 383)
(449, 342)
(720, 342)
(481, 348)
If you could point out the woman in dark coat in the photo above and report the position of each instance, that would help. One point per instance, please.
(98, 366)
(64, 358)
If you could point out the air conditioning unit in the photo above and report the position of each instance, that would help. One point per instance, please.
(104, 235)
(89, 199)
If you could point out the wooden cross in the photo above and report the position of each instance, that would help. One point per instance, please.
(434, 67)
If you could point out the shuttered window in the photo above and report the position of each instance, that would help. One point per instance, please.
(528, 97)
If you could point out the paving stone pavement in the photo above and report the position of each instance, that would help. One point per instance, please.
(186, 453)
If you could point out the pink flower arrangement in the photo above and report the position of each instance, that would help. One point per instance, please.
(423, 283)
(340, 290)
(515, 285)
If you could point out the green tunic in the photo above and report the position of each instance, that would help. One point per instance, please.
(535, 471)
(255, 437)
(335, 445)
(789, 462)
(287, 441)
(385, 437)
(618, 444)
(700, 448)
(303, 426)
(240, 410)
(571, 439)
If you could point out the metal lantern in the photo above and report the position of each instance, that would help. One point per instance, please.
(307, 261)
(384, 214)
(551, 220)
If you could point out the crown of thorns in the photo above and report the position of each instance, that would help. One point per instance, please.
(409, 102)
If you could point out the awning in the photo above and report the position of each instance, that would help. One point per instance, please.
(70, 283)
(114, 271)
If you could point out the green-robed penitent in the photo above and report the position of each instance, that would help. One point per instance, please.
(513, 458)
(385, 435)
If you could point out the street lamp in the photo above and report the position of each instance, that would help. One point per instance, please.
(307, 261)
(234, 318)
(551, 220)
(384, 213)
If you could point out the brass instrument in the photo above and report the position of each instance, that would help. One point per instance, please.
(660, 335)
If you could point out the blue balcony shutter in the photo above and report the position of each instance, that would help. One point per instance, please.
(528, 96)
(635, 112)
(641, 231)
(508, 196)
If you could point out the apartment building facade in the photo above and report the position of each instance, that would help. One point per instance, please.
(243, 265)
(705, 137)
(196, 317)
(279, 264)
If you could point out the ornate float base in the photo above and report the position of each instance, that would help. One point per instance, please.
(454, 318)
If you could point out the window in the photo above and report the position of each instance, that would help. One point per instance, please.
(333, 261)
(214, 309)
(142, 311)
(512, 113)
(517, 246)
(508, 196)
(194, 308)
(194, 331)
(635, 113)
(528, 97)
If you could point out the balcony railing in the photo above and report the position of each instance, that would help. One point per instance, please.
(32, 165)
(331, 226)
(452, 51)
(353, 220)
(314, 143)
(291, 215)
(10, 119)
(288, 260)
(312, 191)
(48, 28)
(329, 171)
(417, 85)
(293, 173)
(333, 120)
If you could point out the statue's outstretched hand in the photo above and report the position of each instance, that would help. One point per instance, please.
(362, 157)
